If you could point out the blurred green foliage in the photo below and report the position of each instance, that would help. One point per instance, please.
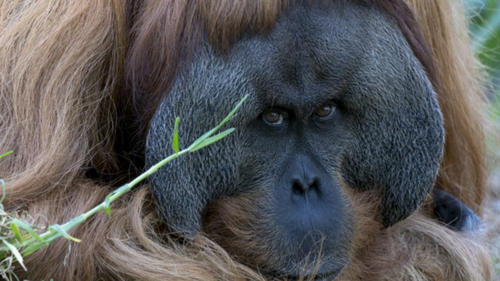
(485, 32)
(485, 27)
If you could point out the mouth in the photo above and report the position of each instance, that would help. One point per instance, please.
(318, 277)
(325, 276)
(326, 269)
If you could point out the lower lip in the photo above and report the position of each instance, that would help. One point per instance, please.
(319, 277)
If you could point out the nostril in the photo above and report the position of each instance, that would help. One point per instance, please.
(300, 187)
(315, 185)
(297, 188)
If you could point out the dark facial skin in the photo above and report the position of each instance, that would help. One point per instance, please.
(336, 99)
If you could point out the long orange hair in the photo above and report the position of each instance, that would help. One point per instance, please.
(74, 75)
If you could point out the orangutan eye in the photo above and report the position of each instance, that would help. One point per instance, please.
(274, 117)
(326, 110)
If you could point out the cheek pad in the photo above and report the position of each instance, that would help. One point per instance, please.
(397, 150)
(183, 187)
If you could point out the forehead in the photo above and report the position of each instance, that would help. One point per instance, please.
(313, 49)
(349, 52)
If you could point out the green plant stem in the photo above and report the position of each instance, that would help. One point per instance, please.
(56, 231)
(50, 236)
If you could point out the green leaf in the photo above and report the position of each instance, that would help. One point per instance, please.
(6, 153)
(213, 139)
(16, 231)
(231, 114)
(4, 187)
(33, 248)
(107, 205)
(16, 253)
(58, 229)
(175, 138)
(197, 142)
(28, 229)
(4, 190)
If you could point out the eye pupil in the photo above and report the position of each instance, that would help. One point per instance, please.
(326, 110)
(273, 117)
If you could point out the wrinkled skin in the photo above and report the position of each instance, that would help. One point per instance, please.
(383, 132)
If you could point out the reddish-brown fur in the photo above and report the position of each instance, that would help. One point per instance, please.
(80, 80)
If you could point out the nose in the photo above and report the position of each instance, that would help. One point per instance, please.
(302, 185)
(304, 179)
